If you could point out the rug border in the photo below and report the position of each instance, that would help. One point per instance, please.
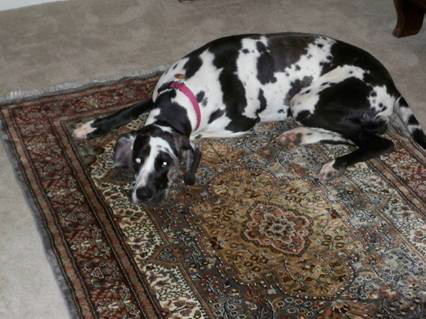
(52, 259)
(12, 156)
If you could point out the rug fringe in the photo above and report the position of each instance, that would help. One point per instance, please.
(69, 87)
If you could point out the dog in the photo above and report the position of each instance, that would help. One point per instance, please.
(337, 92)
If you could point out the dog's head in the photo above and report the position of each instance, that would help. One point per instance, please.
(154, 154)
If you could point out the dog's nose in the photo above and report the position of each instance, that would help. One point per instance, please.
(144, 193)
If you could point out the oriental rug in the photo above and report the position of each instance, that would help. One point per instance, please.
(258, 236)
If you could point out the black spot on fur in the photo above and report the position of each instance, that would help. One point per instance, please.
(303, 116)
(204, 101)
(286, 49)
(262, 101)
(141, 150)
(281, 111)
(419, 137)
(245, 51)
(265, 65)
(296, 87)
(215, 115)
(297, 67)
(320, 45)
(403, 102)
(162, 157)
(192, 65)
(261, 48)
(289, 113)
(412, 120)
(373, 94)
(200, 96)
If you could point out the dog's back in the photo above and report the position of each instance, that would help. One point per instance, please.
(242, 79)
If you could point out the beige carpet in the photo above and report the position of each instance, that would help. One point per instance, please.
(78, 41)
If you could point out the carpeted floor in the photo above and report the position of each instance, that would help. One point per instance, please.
(258, 236)
(80, 41)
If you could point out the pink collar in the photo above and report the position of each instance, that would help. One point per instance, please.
(188, 93)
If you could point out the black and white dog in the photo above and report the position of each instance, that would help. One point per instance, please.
(337, 92)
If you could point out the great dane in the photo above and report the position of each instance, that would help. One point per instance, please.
(337, 92)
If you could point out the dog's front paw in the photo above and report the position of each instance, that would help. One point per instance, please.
(328, 171)
(83, 131)
(290, 138)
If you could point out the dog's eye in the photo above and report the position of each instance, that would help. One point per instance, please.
(138, 160)
(164, 164)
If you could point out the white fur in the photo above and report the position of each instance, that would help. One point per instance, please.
(328, 171)
(84, 130)
(310, 135)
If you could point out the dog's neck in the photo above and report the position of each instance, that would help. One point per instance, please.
(165, 127)
(175, 105)
(177, 141)
(170, 130)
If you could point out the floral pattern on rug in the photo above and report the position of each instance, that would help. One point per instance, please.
(278, 229)
(258, 235)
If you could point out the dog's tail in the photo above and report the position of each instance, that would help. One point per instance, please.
(407, 117)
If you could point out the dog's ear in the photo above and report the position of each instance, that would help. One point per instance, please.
(123, 151)
(182, 144)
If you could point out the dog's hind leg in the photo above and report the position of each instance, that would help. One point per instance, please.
(369, 145)
(311, 135)
(106, 124)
